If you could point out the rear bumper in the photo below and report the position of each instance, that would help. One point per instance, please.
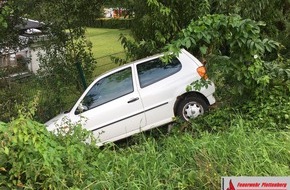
(211, 99)
(208, 93)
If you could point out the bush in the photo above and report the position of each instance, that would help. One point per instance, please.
(52, 97)
(265, 111)
(33, 158)
(13, 94)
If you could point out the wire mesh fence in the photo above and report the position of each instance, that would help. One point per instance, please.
(105, 63)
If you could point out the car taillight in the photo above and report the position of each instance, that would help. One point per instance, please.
(202, 72)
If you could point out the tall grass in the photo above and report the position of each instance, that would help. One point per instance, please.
(155, 161)
(180, 161)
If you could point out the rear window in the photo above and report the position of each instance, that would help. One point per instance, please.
(155, 70)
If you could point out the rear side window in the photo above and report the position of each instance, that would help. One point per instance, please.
(155, 70)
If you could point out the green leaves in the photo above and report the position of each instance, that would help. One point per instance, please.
(242, 35)
(3, 23)
(203, 50)
(6, 151)
(31, 156)
(198, 85)
(158, 22)
(240, 40)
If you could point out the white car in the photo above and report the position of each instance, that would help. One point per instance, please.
(142, 95)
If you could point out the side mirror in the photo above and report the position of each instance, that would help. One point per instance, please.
(81, 108)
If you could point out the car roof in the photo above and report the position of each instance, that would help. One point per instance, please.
(135, 62)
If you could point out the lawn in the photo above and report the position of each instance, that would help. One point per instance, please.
(105, 44)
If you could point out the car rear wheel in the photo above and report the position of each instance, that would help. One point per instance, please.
(191, 107)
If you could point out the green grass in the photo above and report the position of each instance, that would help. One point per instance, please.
(152, 161)
(105, 44)
(179, 161)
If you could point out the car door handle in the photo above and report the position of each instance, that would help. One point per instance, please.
(133, 100)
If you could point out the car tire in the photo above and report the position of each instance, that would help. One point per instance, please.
(191, 107)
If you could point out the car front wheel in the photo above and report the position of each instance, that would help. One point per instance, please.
(191, 107)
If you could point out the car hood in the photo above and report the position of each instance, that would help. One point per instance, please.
(52, 123)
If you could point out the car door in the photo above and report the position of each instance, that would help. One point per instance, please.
(158, 83)
(112, 106)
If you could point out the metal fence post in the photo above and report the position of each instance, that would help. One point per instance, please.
(81, 74)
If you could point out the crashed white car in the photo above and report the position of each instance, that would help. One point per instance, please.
(141, 95)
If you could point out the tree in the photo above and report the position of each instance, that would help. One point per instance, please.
(275, 13)
(157, 22)
(10, 20)
(67, 52)
(3, 23)
(242, 64)
(65, 47)
(237, 47)
(117, 3)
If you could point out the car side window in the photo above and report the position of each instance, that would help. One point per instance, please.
(155, 70)
(109, 88)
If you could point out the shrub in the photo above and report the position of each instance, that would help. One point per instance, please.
(52, 97)
(33, 158)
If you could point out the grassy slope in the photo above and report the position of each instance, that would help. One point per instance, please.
(152, 161)
(105, 43)
(180, 161)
